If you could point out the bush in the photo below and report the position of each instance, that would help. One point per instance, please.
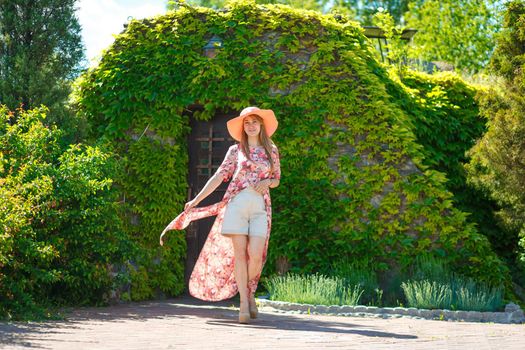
(456, 295)
(476, 297)
(58, 212)
(354, 273)
(433, 285)
(427, 294)
(432, 268)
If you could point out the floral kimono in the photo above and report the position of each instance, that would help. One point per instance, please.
(212, 278)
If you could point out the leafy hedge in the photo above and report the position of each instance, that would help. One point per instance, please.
(446, 118)
(60, 232)
(354, 181)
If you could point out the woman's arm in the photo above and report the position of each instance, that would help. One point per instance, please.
(263, 185)
(274, 179)
(210, 186)
(223, 173)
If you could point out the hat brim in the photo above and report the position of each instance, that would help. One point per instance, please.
(235, 125)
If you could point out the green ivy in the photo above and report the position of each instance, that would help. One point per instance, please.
(446, 118)
(354, 181)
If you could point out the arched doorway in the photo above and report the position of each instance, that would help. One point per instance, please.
(208, 143)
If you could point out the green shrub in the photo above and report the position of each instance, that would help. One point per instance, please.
(427, 294)
(447, 118)
(431, 279)
(497, 160)
(456, 294)
(58, 213)
(361, 274)
(428, 267)
(313, 289)
(471, 296)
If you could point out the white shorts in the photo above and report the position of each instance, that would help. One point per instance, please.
(245, 214)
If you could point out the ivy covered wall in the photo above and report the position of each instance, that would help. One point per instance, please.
(354, 184)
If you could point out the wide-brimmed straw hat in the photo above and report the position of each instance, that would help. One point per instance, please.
(235, 125)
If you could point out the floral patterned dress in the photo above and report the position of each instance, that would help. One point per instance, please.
(212, 278)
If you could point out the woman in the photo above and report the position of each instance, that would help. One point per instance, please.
(234, 253)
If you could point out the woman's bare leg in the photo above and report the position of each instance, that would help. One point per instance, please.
(255, 252)
(241, 269)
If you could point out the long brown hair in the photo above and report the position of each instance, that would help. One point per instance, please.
(264, 140)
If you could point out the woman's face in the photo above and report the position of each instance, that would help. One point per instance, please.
(252, 126)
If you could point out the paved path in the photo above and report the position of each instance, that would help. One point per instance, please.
(188, 323)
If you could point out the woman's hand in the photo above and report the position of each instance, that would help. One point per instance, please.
(161, 238)
(263, 185)
(191, 204)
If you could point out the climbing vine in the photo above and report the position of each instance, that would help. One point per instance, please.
(354, 181)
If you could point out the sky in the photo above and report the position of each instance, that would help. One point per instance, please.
(101, 19)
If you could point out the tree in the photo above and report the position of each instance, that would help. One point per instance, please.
(458, 32)
(396, 48)
(40, 52)
(365, 10)
(498, 159)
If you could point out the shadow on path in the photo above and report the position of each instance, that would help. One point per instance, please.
(218, 315)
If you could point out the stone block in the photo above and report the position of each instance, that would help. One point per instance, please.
(320, 308)
(400, 311)
(347, 309)
(372, 309)
(517, 317)
(425, 313)
(412, 311)
(387, 310)
(511, 307)
(334, 309)
(473, 316)
(360, 308)
(461, 315)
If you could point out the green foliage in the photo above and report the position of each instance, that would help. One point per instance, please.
(432, 284)
(447, 120)
(217, 4)
(498, 161)
(476, 297)
(353, 179)
(313, 289)
(427, 294)
(60, 230)
(429, 267)
(458, 32)
(456, 295)
(365, 10)
(396, 48)
(40, 53)
(361, 274)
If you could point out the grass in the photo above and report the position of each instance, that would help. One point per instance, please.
(360, 273)
(477, 297)
(313, 289)
(458, 294)
(434, 286)
(429, 284)
(427, 294)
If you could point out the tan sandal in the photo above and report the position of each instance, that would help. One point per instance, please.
(253, 309)
(244, 317)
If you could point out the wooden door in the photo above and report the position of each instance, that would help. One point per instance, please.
(209, 141)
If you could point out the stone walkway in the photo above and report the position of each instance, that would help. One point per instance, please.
(188, 323)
